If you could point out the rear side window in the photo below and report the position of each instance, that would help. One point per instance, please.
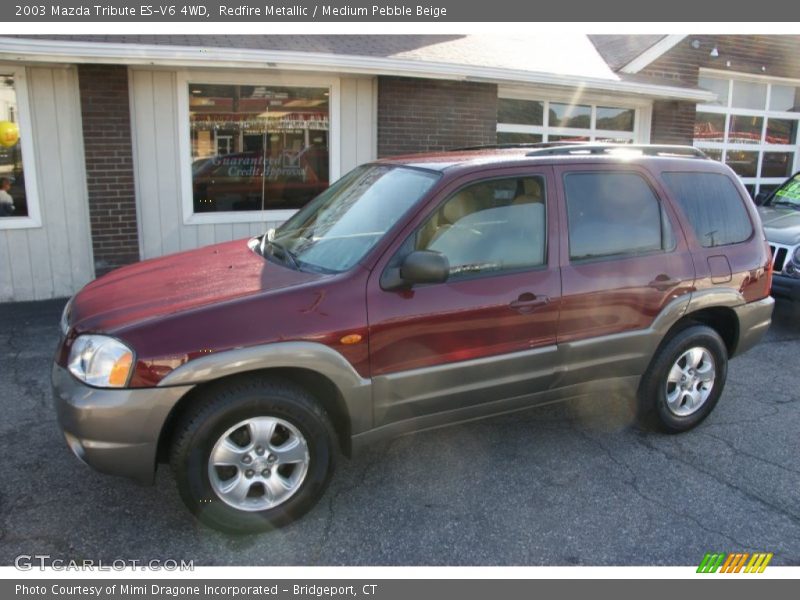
(713, 207)
(612, 214)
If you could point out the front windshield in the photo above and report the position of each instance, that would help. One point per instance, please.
(342, 224)
(789, 193)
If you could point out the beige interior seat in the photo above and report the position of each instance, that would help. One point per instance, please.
(532, 192)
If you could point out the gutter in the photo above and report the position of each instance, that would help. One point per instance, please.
(26, 50)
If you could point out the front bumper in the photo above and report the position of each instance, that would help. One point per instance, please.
(115, 431)
(786, 286)
(754, 320)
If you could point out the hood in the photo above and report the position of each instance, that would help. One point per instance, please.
(781, 224)
(176, 283)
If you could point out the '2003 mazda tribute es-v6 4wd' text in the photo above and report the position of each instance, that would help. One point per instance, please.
(415, 292)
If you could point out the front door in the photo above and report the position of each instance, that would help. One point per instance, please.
(488, 334)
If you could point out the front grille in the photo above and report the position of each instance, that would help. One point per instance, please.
(778, 258)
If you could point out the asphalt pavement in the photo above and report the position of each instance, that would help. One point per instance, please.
(571, 484)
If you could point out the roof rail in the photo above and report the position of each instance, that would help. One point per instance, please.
(512, 145)
(506, 146)
(594, 149)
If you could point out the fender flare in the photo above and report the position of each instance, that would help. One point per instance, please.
(355, 390)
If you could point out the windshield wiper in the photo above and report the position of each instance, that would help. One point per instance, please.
(786, 203)
(287, 254)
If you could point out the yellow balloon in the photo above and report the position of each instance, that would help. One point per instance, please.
(9, 133)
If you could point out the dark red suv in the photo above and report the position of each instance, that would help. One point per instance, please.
(415, 292)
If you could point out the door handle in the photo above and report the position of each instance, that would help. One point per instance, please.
(528, 301)
(663, 282)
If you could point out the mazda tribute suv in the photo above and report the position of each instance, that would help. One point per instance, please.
(415, 292)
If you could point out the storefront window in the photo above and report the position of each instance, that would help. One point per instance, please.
(777, 164)
(781, 131)
(745, 130)
(531, 121)
(13, 200)
(744, 163)
(718, 86)
(569, 138)
(753, 129)
(785, 98)
(570, 115)
(524, 112)
(747, 94)
(257, 147)
(616, 119)
(709, 127)
(518, 138)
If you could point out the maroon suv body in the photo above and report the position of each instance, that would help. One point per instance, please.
(415, 292)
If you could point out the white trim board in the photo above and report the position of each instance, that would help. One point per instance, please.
(21, 49)
(653, 53)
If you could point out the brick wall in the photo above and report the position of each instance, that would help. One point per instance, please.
(109, 165)
(421, 115)
(769, 55)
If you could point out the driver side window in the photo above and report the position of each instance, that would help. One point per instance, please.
(491, 226)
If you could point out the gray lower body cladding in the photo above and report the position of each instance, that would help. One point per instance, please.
(115, 431)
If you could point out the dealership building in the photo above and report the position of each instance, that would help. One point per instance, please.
(123, 148)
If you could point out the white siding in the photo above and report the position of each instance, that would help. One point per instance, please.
(53, 260)
(358, 122)
(156, 130)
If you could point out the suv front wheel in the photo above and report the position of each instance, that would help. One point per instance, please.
(684, 381)
(253, 454)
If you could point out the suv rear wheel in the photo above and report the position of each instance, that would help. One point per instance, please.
(684, 381)
(253, 454)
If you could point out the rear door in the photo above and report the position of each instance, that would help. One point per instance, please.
(624, 259)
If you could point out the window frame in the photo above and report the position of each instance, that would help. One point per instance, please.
(662, 208)
(642, 115)
(728, 110)
(187, 77)
(25, 122)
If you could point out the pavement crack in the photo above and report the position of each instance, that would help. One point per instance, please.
(634, 484)
(339, 490)
(755, 457)
(795, 519)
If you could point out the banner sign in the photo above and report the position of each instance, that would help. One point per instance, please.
(379, 589)
(200, 11)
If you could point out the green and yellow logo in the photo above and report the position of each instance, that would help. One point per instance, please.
(734, 562)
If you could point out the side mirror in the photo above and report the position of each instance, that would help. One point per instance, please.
(760, 198)
(425, 266)
(421, 266)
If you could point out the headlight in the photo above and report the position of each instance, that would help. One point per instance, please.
(100, 361)
(64, 324)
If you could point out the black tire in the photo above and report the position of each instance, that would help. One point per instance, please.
(221, 407)
(654, 409)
